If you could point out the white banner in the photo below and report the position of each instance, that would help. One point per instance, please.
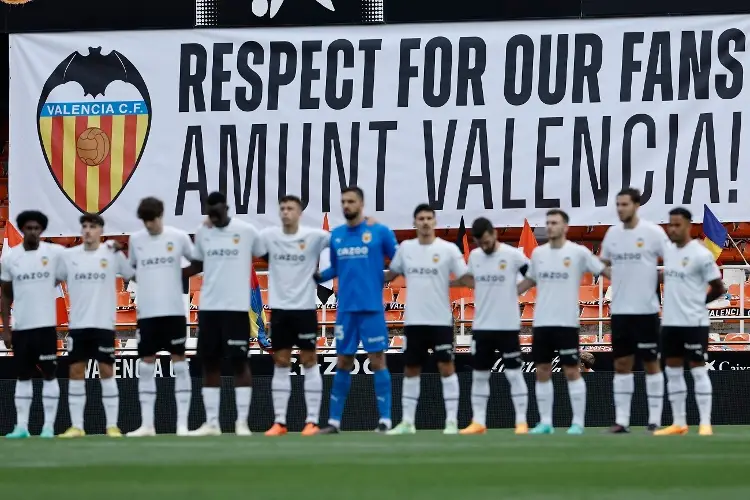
(503, 120)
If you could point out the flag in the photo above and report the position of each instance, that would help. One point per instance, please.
(257, 314)
(462, 241)
(11, 237)
(61, 306)
(715, 232)
(325, 290)
(528, 242)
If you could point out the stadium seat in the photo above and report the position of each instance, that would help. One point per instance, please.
(263, 281)
(588, 294)
(587, 279)
(4, 212)
(196, 282)
(401, 298)
(528, 297)
(329, 318)
(590, 313)
(525, 339)
(387, 295)
(393, 318)
(126, 318)
(119, 284)
(264, 297)
(587, 339)
(528, 312)
(737, 337)
(397, 342)
(322, 342)
(468, 312)
(123, 300)
(195, 301)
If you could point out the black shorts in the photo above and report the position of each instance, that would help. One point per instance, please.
(223, 334)
(91, 343)
(486, 343)
(421, 338)
(635, 334)
(34, 349)
(687, 342)
(563, 339)
(165, 333)
(291, 328)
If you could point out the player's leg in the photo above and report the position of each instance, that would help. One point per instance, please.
(568, 346)
(543, 352)
(696, 347)
(444, 354)
(209, 351)
(415, 356)
(374, 334)
(105, 356)
(237, 334)
(623, 383)
(347, 342)
(24, 356)
(483, 358)
(284, 338)
(313, 383)
(648, 350)
(148, 337)
(80, 350)
(183, 384)
(673, 348)
(510, 348)
(47, 343)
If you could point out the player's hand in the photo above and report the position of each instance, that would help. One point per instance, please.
(7, 338)
(114, 245)
(371, 221)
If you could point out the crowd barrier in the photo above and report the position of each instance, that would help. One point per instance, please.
(731, 403)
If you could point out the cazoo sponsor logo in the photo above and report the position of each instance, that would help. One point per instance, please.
(329, 366)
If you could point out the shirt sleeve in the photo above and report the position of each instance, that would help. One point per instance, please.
(61, 271)
(324, 238)
(389, 242)
(522, 260)
(397, 262)
(470, 264)
(532, 271)
(5, 269)
(124, 268)
(592, 262)
(132, 259)
(458, 265)
(709, 268)
(606, 252)
(662, 242)
(198, 253)
(188, 249)
(259, 245)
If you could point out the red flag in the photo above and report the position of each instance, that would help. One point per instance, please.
(325, 223)
(528, 242)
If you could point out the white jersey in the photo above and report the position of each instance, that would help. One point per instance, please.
(227, 256)
(557, 273)
(634, 254)
(428, 269)
(158, 264)
(33, 274)
(90, 276)
(292, 261)
(495, 292)
(687, 271)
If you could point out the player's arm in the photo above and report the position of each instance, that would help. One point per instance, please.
(396, 268)
(196, 260)
(529, 280)
(712, 275)
(332, 271)
(605, 255)
(124, 268)
(459, 268)
(260, 249)
(6, 287)
(595, 265)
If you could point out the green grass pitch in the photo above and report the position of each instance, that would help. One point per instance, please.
(367, 466)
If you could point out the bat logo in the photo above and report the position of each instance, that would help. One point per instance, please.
(93, 135)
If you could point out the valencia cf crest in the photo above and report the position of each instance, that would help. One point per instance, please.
(170, 246)
(436, 258)
(503, 265)
(366, 237)
(45, 261)
(566, 262)
(236, 239)
(103, 263)
(639, 243)
(302, 244)
(93, 120)
(685, 261)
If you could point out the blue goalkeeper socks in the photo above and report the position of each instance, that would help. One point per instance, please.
(383, 393)
(342, 381)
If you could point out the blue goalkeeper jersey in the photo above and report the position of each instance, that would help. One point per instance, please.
(357, 258)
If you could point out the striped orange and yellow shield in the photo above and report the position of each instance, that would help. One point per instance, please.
(92, 148)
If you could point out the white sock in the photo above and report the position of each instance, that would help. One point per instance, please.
(76, 402)
(623, 386)
(24, 395)
(577, 392)
(211, 397)
(111, 401)
(410, 397)
(677, 389)
(242, 398)
(519, 393)
(655, 394)
(313, 393)
(50, 399)
(147, 393)
(450, 397)
(544, 400)
(281, 388)
(703, 393)
(183, 391)
(480, 393)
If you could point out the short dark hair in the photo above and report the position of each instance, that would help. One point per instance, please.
(356, 190)
(216, 198)
(423, 207)
(91, 218)
(683, 212)
(292, 198)
(31, 216)
(150, 208)
(561, 213)
(481, 226)
(635, 194)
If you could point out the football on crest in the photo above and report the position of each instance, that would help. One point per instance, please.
(92, 146)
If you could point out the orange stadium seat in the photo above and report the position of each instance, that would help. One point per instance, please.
(397, 342)
(528, 297)
(394, 317)
(469, 312)
(525, 339)
(589, 312)
(387, 295)
(588, 294)
(126, 316)
(401, 298)
(4, 190)
(321, 343)
(195, 301)
(123, 300)
(119, 284)
(587, 279)
(264, 297)
(196, 282)
(528, 312)
(263, 281)
(329, 318)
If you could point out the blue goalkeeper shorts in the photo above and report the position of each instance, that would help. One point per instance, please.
(367, 327)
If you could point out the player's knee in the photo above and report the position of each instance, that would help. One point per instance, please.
(211, 365)
(572, 372)
(624, 364)
(77, 371)
(377, 361)
(345, 363)
(674, 362)
(412, 371)
(543, 372)
(240, 367)
(283, 358)
(106, 370)
(446, 368)
(307, 358)
(651, 367)
(149, 359)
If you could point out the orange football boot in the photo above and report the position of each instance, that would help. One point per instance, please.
(310, 429)
(277, 430)
(474, 428)
(672, 430)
